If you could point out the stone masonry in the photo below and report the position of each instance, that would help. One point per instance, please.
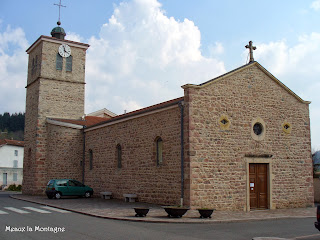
(139, 173)
(50, 93)
(218, 157)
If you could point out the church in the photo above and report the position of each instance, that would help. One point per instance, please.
(238, 142)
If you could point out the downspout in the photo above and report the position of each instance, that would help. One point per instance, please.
(181, 105)
(83, 153)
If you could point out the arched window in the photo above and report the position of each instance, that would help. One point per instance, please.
(59, 62)
(159, 150)
(90, 159)
(69, 64)
(119, 156)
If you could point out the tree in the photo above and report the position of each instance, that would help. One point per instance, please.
(12, 125)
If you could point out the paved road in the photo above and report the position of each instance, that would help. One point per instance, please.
(20, 215)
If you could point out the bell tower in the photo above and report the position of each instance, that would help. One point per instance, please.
(55, 89)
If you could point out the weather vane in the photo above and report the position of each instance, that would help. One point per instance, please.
(59, 5)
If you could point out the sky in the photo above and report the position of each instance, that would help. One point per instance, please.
(142, 51)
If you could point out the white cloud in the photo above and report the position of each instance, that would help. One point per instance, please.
(13, 69)
(315, 5)
(143, 57)
(297, 66)
(74, 37)
(216, 49)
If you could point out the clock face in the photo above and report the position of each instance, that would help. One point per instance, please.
(64, 50)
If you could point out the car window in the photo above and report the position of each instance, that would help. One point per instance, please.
(75, 183)
(71, 183)
(61, 183)
(78, 184)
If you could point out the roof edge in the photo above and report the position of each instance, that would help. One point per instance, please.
(57, 40)
(228, 74)
(138, 113)
(64, 124)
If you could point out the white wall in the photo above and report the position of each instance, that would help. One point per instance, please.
(7, 157)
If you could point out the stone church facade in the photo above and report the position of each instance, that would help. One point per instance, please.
(240, 141)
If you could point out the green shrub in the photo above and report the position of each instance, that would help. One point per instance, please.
(13, 187)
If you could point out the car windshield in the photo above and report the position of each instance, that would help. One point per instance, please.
(51, 182)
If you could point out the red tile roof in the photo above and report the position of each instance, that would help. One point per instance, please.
(94, 121)
(11, 142)
(142, 110)
(89, 120)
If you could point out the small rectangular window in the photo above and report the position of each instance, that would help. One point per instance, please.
(15, 177)
(59, 62)
(16, 152)
(15, 163)
(159, 151)
(69, 64)
(119, 156)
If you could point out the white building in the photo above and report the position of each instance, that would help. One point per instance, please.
(11, 162)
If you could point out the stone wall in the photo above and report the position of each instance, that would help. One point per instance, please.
(219, 154)
(139, 173)
(64, 153)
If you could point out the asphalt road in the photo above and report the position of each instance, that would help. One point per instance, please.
(38, 222)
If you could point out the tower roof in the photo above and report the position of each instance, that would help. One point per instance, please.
(58, 32)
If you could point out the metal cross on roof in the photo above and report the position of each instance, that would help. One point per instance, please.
(251, 50)
(59, 5)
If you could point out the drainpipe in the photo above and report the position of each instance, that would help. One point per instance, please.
(181, 105)
(84, 153)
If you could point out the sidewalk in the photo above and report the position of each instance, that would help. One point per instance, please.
(120, 210)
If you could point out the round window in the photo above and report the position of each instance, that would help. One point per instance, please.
(257, 128)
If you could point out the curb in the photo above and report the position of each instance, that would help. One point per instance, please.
(195, 221)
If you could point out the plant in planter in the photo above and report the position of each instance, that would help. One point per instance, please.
(205, 212)
(175, 211)
(141, 211)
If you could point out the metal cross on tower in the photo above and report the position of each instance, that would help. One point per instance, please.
(59, 5)
(251, 50)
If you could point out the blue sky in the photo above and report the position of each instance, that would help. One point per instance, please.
(141, 46)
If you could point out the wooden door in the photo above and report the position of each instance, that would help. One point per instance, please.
(258, 184)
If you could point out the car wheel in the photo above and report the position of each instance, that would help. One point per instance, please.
(57, 195)
(87, 194)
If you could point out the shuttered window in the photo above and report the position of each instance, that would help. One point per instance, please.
(69, 64)
(15, 177)
(59, 62)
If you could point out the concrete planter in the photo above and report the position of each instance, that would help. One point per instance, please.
(205, 213)
(141, 212)
(175, 212)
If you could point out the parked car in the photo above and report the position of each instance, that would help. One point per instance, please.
(67, 187)
(317, 223)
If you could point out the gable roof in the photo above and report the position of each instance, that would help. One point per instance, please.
(11, 142)
(228, 74)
